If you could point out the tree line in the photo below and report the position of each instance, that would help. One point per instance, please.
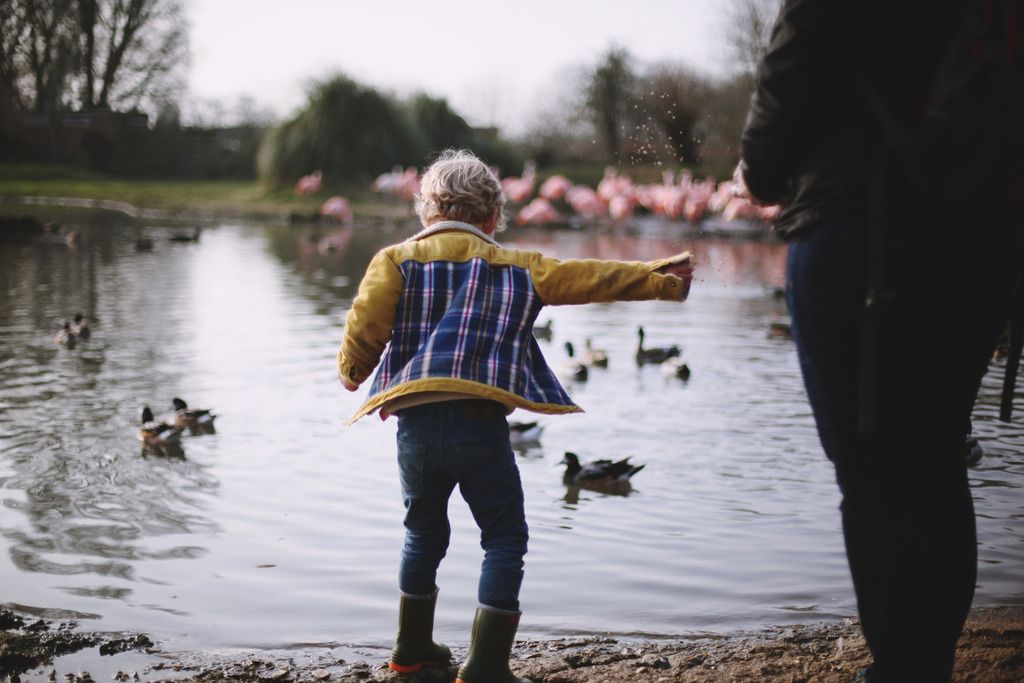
(123, 54)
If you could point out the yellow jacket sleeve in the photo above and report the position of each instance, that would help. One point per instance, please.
(581, 281)
(369, 322)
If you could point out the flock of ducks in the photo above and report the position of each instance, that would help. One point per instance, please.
(607, 476)
(576, 368)
(157, 436)
(164, 438)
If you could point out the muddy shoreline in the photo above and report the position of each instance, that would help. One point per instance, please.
(991, 651)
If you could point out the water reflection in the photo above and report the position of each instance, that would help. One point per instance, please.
(614, 488)
(99, 514)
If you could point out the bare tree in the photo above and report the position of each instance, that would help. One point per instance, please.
(748, 27)
(609, 93)
(673, 97)
(50, 47)
(13, 34)
(142, 45)
(91, 53)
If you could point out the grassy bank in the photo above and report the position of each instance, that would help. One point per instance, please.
(212, 197)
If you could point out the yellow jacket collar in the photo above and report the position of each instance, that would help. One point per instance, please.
(444, 226)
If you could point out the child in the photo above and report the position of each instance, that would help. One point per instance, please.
(458, 310)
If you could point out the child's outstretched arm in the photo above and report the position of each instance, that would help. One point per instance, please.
(682, 268)
(369, 322)
(581, 281)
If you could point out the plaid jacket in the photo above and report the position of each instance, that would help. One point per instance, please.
(458, 310)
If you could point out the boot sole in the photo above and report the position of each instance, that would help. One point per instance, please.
(413, 668)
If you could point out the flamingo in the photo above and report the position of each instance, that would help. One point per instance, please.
(337, 208)
(584, 202)
(613, 184)
(309, 184)
(620, 207)
(739, 207)
(555, 187)
(404, 184)
(674, 203)
(769, 213)
(538, 212)
(389, 183)
(721, 197)
(518, 190)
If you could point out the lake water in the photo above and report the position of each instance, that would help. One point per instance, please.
(283, 529)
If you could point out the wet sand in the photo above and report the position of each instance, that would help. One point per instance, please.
(991, 651)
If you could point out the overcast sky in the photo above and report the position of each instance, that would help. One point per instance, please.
(495, 62)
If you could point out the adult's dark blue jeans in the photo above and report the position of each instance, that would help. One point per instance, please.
(464, 443)
(907, 512)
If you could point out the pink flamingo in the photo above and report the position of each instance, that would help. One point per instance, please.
(309, 184)
(518, 190)
(410, 185)
(584, 201)
(696, 206)
(555, 187)
(538, 212)
(698, 199)
(389, 183)
(404, 184)
(620, 207)
(337, 208)
(674, 201)
(769, 213)
(613, 184)
(739, 207)
(721, 197)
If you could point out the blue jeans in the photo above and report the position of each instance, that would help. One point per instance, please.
(465, 443)
(907, 512)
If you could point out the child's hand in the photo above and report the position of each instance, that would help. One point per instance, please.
(682, 269)
(348, 385)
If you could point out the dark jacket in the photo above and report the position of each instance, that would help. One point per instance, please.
(810, 137)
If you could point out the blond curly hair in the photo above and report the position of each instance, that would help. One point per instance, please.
(460, 187)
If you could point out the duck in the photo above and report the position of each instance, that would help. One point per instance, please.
(573, 369)
(596, 357)
(183, 237)
(676, 367)
(973, 451)
(543, 331)
(80, 326)
(196, 420)
(597, 471)
(157, 434)
(65, 336)
(654, 355)
(521, 433)
(779, 330)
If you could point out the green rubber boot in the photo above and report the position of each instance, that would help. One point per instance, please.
(489, 647)
(414, 646)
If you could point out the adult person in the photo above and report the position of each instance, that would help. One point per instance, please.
(896, 304)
